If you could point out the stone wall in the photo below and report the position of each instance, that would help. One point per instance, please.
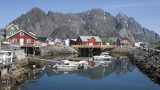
(57, 50)
(121, 51)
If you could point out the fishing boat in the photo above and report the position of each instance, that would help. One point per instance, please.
(103, 56)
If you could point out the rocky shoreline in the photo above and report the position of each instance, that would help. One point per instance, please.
(18, 73)
(148, 61)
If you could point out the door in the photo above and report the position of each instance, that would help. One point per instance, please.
(90, 43)
(21, 42)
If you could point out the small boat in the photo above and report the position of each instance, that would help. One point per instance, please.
(69, 65)
(103, 56)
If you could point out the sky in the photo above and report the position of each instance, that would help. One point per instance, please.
(146, 12)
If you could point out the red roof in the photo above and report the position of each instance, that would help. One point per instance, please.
(6, 26)
(125, 42)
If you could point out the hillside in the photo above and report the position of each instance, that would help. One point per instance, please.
(92, 22)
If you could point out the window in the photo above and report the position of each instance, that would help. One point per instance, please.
(12, 28)
(28, 40)
(21, 33)
(14, 40)
(11, 33)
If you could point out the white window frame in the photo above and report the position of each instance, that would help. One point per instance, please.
(11, 33)
(28, 40)
(12, 28)
(21, 33)
(14, 40)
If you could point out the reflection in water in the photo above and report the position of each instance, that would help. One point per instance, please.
(98, 71)
(99, 75)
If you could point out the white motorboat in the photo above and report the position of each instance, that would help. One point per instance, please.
(69, 65)
(103, 56)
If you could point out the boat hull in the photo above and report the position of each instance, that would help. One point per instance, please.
(101, 57)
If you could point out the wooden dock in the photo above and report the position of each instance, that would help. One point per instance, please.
(93, 46)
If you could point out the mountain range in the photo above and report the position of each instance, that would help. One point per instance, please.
(92, 22)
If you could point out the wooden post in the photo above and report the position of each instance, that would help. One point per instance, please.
(26, 51)
(0, 44)
(11, 56)
(33, 51)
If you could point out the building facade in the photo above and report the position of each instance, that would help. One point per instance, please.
(87, 40)
(11, 30)
(22, 38)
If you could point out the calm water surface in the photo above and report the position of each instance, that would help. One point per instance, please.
(120, 74)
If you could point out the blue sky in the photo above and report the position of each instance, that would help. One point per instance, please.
(146, 12)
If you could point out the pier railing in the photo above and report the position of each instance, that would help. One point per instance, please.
(25, 45)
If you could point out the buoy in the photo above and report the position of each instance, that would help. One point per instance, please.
(34, 67)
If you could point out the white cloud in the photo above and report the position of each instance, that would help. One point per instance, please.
(118, 6)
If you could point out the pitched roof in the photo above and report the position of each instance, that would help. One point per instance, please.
(73, 39)
(125, 41)
(43, 39)
(7, 26)
(24, 32)
(86, 38)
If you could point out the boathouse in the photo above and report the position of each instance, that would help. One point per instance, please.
(87, 40)
(22, 38)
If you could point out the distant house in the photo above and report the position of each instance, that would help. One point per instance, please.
(118, 42)
(42, 39)
(125, 42)
(88, 40)
(11, 30)
(58, 41)
(22, 38)
(49, 41)
(72, 42)
(66, 42)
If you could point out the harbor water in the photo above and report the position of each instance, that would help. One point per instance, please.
(119, 74)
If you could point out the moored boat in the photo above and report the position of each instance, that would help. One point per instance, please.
(70, 65)
(103, 56)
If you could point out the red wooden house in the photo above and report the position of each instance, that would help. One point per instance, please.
(125, 42)
(72, 42)
(22, 38)
(87, 40)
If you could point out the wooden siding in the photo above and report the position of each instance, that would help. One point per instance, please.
(24, 37)
(91, 41)
(9, 30)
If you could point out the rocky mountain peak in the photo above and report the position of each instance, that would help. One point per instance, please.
(92, 22)
(122, 16)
